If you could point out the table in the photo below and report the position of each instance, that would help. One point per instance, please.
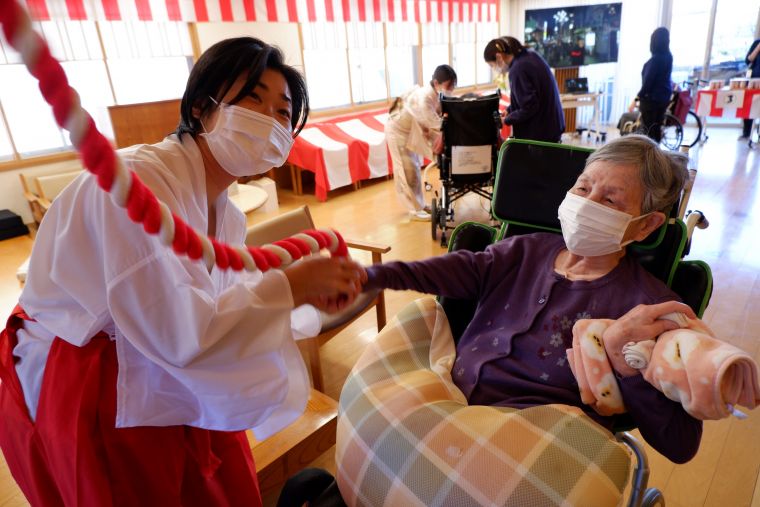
(727, 103)
(341, 151)
(592, 99)
(247, 197)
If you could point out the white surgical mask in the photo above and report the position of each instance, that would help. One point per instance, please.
(591, 229)
(247, 143)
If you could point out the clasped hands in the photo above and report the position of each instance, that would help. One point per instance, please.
(644, 322)
(328, 283)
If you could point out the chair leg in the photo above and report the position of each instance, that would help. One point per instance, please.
(315, 364)
(380, 311)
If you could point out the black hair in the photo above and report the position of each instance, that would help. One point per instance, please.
(506, 45)
(660, 41)
(220, 65)
(444, 73)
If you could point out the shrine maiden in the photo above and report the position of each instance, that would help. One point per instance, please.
(129, 373)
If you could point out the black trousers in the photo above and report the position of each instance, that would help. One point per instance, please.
(652, 118)
(747, 128)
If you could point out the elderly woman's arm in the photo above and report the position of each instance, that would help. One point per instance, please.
(663, 423)
(458, 274)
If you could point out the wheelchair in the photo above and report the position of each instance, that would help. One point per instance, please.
(673, 123)
(471, 135)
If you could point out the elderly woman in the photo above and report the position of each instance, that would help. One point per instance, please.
(532, 288)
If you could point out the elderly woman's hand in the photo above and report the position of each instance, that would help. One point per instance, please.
(644, 322)
(330, 284)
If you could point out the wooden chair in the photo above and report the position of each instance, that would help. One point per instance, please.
(38, 210)
(295, 221)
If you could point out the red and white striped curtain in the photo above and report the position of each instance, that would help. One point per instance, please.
(284, 11)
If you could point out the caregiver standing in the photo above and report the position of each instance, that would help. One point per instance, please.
(534, 111)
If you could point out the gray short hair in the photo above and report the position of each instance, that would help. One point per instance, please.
(662, 173)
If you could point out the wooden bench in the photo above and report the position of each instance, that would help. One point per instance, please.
(295, 447)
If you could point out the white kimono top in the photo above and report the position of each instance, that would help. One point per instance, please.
(211, 350)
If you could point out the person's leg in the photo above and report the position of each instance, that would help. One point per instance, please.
(652, 118)
(747, 128)
(403, 166)
(413, 173)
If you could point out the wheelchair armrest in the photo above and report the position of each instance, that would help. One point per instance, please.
(331, 321)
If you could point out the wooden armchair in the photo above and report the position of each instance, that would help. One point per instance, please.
(293, 222)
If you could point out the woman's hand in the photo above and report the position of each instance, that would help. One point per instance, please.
(330, 284)
(642, 323)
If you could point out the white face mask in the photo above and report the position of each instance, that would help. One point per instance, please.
(247, 143)
(591, 229)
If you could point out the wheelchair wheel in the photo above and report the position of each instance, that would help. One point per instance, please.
(672, 132)
(653, 498)
(690, 140)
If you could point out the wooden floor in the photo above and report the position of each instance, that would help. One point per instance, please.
(725, 471)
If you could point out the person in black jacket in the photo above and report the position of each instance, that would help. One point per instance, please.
(534, 110)
(753, 61)
(656, 87)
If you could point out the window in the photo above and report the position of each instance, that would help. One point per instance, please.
(485, 33)
(463, 53)
(690, 20)
(146, 61)
(435, 48)
(326, 64)
(30, 118)
(366, 61)
(6, 148)
(734, 32)
(401, 53)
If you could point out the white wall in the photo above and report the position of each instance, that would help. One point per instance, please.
(12, 194)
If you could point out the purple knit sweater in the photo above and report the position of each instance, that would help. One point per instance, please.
(513, 351)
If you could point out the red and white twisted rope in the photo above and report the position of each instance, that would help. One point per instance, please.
(125, 188)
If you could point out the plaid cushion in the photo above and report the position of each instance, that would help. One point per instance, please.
(407, 437)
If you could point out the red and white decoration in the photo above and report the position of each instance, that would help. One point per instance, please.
(282, 11)
(729, 103)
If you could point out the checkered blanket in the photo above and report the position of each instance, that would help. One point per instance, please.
(406, 436)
